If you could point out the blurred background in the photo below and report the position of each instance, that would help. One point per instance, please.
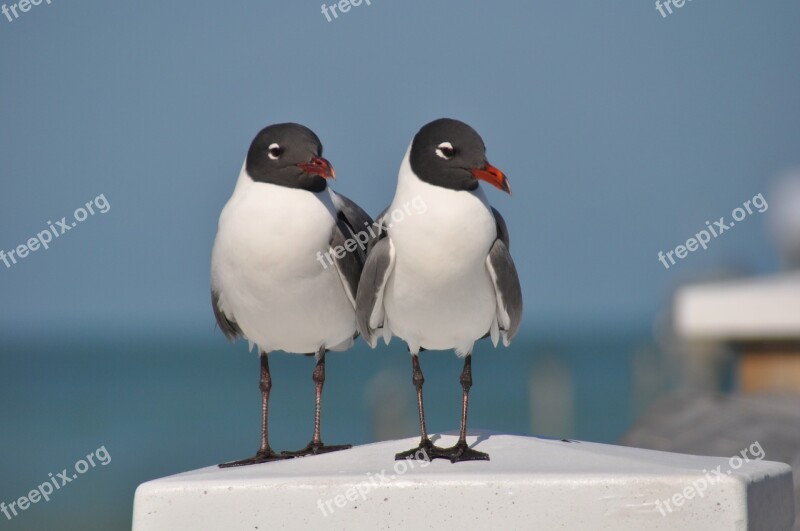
(623, 132)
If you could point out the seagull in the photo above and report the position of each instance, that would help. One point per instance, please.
(444, 279)
(268, 283)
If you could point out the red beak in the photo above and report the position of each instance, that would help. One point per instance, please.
(318, 166)
(493, 176)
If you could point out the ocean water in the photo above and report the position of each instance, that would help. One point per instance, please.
(165, 404)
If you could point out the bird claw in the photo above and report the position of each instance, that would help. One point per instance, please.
(315, 449)
(462, 452)
(260, 457)
(426, 451)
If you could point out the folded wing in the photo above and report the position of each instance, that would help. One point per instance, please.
(506, 286)
(370, 312)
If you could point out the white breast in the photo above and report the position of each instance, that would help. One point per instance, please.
(265, 267)
(440, 295)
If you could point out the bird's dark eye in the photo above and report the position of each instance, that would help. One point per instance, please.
(445, 150)
(274, 151)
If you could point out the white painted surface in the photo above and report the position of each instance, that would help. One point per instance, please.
(760, 308)
(530, 483)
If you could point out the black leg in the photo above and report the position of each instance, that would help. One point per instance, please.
(462, 452)
(426, 450)
(315, 446)
(264, 453)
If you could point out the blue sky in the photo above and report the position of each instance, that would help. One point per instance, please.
(622, 132)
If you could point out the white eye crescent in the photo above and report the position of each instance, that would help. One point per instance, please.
(445, 151)
(274, 151)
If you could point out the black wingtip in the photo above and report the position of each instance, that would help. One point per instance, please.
(229, 328)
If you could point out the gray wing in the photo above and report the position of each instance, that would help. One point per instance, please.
(350, 234)
(350, 258)
(228, 326)
(379, 229)
(502, 228)
(355, 218)
(370, 313)
(504, 276)
(355, 215)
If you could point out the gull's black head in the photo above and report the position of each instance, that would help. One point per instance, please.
(451, 154)
(288, 155)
